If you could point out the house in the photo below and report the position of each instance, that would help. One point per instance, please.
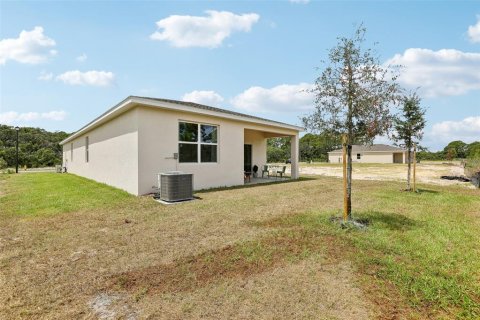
(129, 144)
(376, 153)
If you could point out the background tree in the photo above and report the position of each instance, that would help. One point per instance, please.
(353, 95)
(473, 150)
(457, 148)
(37, 147)
(409, 127)
(450, 154)
(315, 147)
(278, 149)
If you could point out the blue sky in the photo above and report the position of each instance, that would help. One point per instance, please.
(64, 63)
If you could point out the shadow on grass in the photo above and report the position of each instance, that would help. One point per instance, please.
(390, 221)
(427, 191)
(256, 185)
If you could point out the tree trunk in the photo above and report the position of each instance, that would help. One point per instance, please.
(409, 172)
(349, 181)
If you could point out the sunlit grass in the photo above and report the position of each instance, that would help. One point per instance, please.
(426, 244)
(423, 248)
(37, 194)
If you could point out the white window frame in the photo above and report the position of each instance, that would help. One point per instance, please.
(199, 143)
(71, 152)
(359, 156)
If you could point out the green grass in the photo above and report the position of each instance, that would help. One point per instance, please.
(426, 244)
(39, 194)
(422, 247)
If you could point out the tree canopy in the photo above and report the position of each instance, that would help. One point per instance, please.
(37, 147)
(457, 148)
(354, 92)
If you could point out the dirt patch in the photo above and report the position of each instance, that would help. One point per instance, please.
(108, 307)
(426, 172)
(308, 289)
(240, 260)
(285, 249)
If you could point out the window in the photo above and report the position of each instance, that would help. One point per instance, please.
(86, 149)
(71, 151)
(359, 156)
(208, 145)
(197, 139)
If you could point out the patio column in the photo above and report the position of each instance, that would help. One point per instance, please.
(294, 156)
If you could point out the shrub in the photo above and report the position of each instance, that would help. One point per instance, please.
(3, 163)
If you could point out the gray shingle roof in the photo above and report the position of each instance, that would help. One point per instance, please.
(372, 148)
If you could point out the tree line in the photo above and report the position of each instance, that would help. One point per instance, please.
(312, 147)
(454, 150)
(315, 147)
(36, 147)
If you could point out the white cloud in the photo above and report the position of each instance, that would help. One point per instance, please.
(45, 76)
(445, 72)
(81, 58)
(299, 1)
(31, 47)
(282, 98)
(474, 31)
(54, 115)
(207, 31)
(467, 130)
(12, 117)
(210, 98)
(90, 78)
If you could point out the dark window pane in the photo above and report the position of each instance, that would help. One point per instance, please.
(209, 153)
(188, 132)
(209, 133)
(187, 152)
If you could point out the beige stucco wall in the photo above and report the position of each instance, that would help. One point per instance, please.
(113, 153)
(366, 157)
(158, 141)
(128, 151)
(259, 146)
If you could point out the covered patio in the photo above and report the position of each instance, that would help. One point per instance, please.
(271, 179)
(255, 157)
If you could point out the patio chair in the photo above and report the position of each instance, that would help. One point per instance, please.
(265, 169)
(281, 172)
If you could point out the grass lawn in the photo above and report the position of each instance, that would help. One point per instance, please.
(73, 248)
(45, 194)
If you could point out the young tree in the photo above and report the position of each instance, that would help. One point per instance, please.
(353, 96)
(409, 127)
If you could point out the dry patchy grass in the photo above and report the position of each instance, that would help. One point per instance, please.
(268, 251)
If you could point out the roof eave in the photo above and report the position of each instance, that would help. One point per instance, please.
(131, 101)
(107, 115)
